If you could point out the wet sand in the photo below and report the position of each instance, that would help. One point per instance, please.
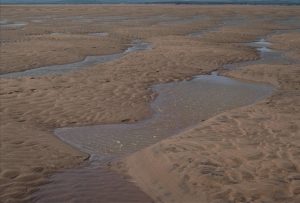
(94, 183)
(233, 145)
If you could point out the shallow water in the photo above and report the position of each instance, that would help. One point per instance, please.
(178, 106)
(99, 34)
(267, 55)
(92, 184)
(174, 110)
(88, 61)
(6, 24)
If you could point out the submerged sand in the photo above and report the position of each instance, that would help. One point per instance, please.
(247, 154)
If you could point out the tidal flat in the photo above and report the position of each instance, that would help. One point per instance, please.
(244, 154)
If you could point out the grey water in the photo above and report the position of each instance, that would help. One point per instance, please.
(174, 109)
(6, 24)
(267, 55)
(137, 45)
(99, 34)
(179, 105)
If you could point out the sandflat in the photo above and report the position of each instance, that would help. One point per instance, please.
(245, 154)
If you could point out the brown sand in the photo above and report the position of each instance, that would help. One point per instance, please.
(250, 154)
(226, 158)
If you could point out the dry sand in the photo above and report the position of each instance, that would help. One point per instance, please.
(245, 154)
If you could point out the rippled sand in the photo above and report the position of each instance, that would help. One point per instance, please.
(226, 158)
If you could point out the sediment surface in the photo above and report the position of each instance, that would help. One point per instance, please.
(246, 154)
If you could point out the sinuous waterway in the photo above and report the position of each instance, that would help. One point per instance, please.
(137, 45)
(178, 106)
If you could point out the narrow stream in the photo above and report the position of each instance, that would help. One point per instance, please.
(136, 45)
(178, 106)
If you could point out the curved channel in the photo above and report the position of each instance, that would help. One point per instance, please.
(136, 45)
(178, 106)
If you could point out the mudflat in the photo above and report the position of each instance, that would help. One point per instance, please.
(245, 154)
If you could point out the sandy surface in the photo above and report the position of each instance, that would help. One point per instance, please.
(227, 157)
(249, 154)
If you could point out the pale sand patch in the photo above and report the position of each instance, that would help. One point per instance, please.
(108, 93)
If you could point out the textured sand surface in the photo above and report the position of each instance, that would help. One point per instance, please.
(119, 90)
(249, 154)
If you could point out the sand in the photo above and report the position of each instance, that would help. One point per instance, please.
(245, 154)
(249, 154)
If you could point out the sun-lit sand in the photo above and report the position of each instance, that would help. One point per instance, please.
(248, 154)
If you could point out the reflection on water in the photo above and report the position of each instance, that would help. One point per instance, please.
(178, 106)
